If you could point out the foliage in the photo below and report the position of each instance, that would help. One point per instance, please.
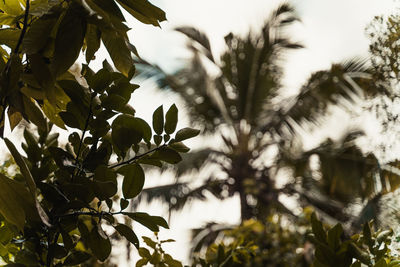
(260, 243)
(159, 258)
(334, 248)
(59, 208)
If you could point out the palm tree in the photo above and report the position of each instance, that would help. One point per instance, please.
(238, 99)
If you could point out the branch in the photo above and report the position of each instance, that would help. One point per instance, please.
(84, 129)
(132, 159)
(137, 157)
(25, 26)
(89, 213)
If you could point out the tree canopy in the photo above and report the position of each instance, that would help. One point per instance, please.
(53, 210)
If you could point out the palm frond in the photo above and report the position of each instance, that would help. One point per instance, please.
(178, 195)
(204, 236)
(199, 37)
(195, 160)
(342, 83)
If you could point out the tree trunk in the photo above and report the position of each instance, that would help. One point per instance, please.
(246, 212)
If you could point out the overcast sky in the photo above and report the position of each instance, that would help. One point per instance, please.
(330, 30)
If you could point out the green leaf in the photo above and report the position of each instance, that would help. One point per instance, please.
(126, 131)
(34, 113)
(168, 155)
(186, 133)
(157, 139)
(144, 11)
(158, 120)
(123, 203)
(117, 47)
(12, 7)
(133, 181)
(381, 263)
(12, 196)
(179, 146)
(334, 236)
(9, 37)
(127, 232)
(22, 166)
(151, 222)
(367, 235)
(317, 229)
(99, 243)
(100, 81)
(37, 35)
(171, 119)
(92, 39)
(69, 39)
(76, 257)
(104, 182)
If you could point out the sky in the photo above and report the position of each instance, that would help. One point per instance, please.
(330, 30)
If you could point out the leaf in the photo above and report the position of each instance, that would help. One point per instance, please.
(92, 39)
(127, 232)
(76, 257)
(11, 7)
(34, 113)
(9, 37)
(100, 81)
(144, 11)
(14, 117)
(186, 133)
(126, 131)
(168, 155)
(123, 203)
(37, 35)
(12, 196)
(117, 47)
(180, 147)
(381, 263)
(99, 243)
(69, 39)
(22, 166)
(151, 222)
(317, 228)
(334, 236)
(104, 182)
(158, 120)
(171, 119)
(133, 181)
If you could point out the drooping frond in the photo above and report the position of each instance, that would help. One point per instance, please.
(177, 195)
(199, 37)
(342, 83)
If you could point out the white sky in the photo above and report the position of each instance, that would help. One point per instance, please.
(330, 30)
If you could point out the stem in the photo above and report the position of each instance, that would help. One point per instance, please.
(82, 137)
(90, 213)
(84, 130)
(137, 157)
(133, 159)
(50, 253)
(25, 26)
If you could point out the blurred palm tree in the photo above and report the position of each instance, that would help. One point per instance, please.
(238, 100)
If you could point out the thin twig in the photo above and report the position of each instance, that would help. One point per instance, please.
(89, 213)
(136, 157)
(82, 137)
(25, 26)
(84, 130)
(133, 159)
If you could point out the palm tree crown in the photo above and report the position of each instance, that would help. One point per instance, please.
(241, 103)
